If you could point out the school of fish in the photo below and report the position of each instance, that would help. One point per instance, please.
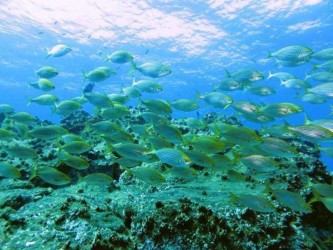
(154, 137)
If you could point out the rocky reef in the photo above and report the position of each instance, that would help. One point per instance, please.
(181, 213)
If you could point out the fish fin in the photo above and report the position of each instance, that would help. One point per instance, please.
(306, 76)
(133, 67)
(233, 197)
(29, 101)
(227, 73)
(270, 75)
(48, 53)
(307, 119)
(269, 55)
(107, 58)
(84, 75)
(33, 171)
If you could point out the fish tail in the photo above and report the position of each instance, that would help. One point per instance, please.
(269, 54)
(227, 73)
(133, 67)
(307, 119)
(270, 75)
(306, 76)
(29, 101)
(84, 75)
(107, 59)
(33, 171)
(315, 66)
(233, 197)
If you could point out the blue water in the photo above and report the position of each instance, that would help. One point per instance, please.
(197, 39)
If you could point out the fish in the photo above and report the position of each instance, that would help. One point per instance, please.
(131, 92)
(153, 118)
(323, 189)
(97, 75)
(7, 170)
(148, 175)
(246, 107)
(157, 106)
(89, 87)
(98, 179)
(221, 162)
(45, 100)
(205, 143)
(127, 163)
(186, 105)
(48, 132)
(5, 134)
(199, 158)
(254, 202)
(105, 127)
(152, 69)
(291, 200)
(282, 76)
(109, 71)
(245, 76)
(328, 65)
(322, 76)
(216, 99)
(76, 147)
(259, 163)
(99, 100)
(281, 109)
(132, 151)
(21, 129)
(117, 111)
(312, 132)
(278, 130)
(229, 84)
(292, 53)
(158, 142)
(58, 51)
(325, 90)
(66, 138)
(47, 72)
(172, 157)
(119, 98)
(261, 90)
(240, 136)
(117, 137)
(6, 108)
(43, 84)
(67, 107)
(275, 147)
(119, 56)
(293, 63)
(23, 117)
(73, 161)
(147, 86)
(170, 132)
(235, 176)
(51, 175)
(313, 98)
(194, 123)
(295, 84)
(325, 54)
(259, 117)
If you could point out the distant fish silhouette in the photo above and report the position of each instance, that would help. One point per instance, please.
(89, 87)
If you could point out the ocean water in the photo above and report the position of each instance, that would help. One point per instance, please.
(203, 43)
